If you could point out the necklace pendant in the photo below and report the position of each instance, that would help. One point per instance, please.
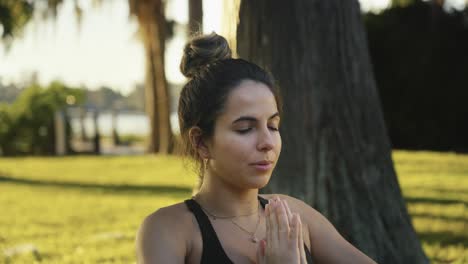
(254, 240)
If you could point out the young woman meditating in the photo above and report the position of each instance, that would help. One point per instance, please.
(229, 116)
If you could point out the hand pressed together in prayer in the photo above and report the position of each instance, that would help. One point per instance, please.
(284, 241)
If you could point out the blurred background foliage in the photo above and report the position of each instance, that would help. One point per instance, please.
(420, 60)
(14, 15)
(27, 124)
(419, 57)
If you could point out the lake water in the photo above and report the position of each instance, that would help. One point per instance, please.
(127, 124)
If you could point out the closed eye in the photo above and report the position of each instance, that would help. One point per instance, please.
(246, 130)
(243, 131)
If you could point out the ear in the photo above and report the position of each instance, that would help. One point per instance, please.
(198, 143)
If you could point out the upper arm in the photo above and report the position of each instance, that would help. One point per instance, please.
(327, 245)
(160, 240)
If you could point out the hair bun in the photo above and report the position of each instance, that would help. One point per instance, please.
(201, 51)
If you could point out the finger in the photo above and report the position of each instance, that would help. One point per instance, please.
(261, 252)
(301, 242)
(263, 247)
(273, 226)
(294, 234)
(283, 222)
(288, 211)
(267, 221)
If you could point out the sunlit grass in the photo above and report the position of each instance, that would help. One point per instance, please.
(83, 209)
(435, 187)
(87, 209)
(132, 170)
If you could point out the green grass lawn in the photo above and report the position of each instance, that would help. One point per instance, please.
(87, 209)
(435, 187)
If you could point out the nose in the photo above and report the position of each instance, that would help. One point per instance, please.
(265, 140)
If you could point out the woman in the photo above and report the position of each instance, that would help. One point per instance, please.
(229, 115)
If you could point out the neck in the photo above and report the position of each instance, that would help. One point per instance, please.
(223, 200)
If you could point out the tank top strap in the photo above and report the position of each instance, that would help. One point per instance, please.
(263, 201)
(212, 248)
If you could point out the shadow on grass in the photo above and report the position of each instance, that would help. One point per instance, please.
(426, 200)
(444, 238)
(125, 189)
(441, 217)
(441, 191)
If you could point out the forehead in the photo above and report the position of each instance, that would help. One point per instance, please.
(250, 98)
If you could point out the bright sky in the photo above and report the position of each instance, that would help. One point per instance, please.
(105, 49)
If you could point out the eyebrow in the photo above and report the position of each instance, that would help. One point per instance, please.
(249, 118)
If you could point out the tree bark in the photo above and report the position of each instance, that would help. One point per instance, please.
(336, 154)
(150, 14)
(195, 16)
(229, 23)
(82, 116)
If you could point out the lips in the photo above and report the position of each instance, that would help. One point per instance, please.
(262, 163)
(263, 166)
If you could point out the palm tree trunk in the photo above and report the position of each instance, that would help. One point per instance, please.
(195, 15)
(151, 19)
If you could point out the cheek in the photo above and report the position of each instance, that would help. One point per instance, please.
(234, 146)
(277, 147)
(231, 148)
(279, 144)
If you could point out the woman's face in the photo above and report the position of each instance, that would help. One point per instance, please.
(246, 143)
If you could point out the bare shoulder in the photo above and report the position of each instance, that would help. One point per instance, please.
(166, 215)
(164, 236)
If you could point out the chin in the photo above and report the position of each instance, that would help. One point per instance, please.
(259, 181)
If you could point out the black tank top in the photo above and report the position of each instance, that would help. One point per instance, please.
(213, 251)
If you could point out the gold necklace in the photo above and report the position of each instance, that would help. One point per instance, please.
(214, 217)
(253, 238)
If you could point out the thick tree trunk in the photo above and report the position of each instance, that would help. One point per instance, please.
(150, 14)
(336, 154)
(195, 16)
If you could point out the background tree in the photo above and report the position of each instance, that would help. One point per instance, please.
(195, 23)
(27, 125)
(403, 3)
(152, 25)
(15, 14)
(230, 20)
(336, 155)
(420, 62)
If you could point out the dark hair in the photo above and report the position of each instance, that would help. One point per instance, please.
(213, 74)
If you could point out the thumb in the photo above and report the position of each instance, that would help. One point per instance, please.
(261, 252)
